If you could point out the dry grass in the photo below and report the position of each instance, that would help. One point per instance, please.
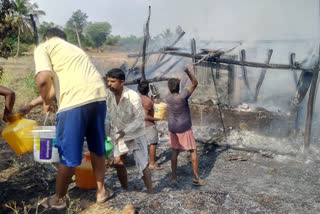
(110, 58)
(18, 76)
(18, 72)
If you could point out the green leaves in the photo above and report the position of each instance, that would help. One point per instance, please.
(98, 32)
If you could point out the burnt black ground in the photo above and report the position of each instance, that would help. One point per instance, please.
(261, 184)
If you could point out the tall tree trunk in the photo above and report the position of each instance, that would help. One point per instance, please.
(77, 33)
(18, 46)
(79, 42)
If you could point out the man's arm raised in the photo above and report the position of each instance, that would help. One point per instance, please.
(194, 81)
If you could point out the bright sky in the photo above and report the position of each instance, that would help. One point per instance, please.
(202, 19)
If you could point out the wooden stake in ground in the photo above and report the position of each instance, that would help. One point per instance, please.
(230, 84)
(193, 53)
(218, 101)
(294, 73)
(145, 45)
(157, 79)
(312, 93)
(35, 32)
(303, 85)
(262, 75)
(245, 73)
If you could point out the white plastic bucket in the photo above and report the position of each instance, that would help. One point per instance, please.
(44, 140)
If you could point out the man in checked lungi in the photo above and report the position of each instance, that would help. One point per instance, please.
(180, 126)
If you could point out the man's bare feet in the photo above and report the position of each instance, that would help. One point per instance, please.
(53, 202)
(101, 198)
(155, 166)
(174, 180)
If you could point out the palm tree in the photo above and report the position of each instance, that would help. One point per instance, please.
(21, 17)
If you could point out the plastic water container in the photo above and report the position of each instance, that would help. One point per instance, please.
(44, 141)
(16, 134)
(160, 110)
(85, 178)
(108, 146)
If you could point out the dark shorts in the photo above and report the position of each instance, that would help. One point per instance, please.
(75, 124)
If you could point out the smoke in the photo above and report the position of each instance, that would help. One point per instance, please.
(287, 26)
(239, 20)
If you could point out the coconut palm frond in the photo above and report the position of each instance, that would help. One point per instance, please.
(21, 17)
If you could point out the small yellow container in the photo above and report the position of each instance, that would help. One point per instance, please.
(17, 134)
(160, 110)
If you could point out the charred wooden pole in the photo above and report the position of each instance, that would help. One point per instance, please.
(307, 134)
(157, 79)
(262, 75)
(193, 53)
(161, 56)
(303, 85)
(171, 66)
(137, 59)
(147, 54)
(157, 66)
(218, 103)
(145, 45)
(294, 73)
(230, 83)
(218, 71)
(35, 32)
(245, 73)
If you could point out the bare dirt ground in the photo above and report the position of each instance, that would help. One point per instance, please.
(251, 183)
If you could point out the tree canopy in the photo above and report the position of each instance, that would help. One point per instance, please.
(6, 8)
(21, 17)
(78, 20)
(98, 32)
(44, 27)
(75, 26)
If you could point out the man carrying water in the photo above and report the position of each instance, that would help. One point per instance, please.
(64, 71)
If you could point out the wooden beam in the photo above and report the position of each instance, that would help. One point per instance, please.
(170, 67)
(193, 53)
(245, 73)
(230, 83)
(294, 73)
(303, 85)
(262, 75)
(307, 133)
(147, 54)
(218, 104)
(157, 79)
(35, 32)
(145, 45)
(218, 66)
(161, 56)
(137, 59)
(157, 66)
(236, 62)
